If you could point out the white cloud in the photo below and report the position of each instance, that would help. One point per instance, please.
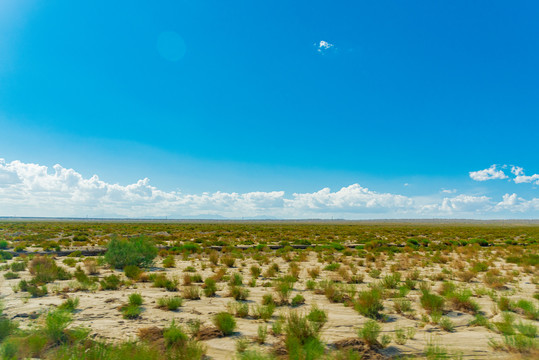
(449, 191)
(323, 46)
(28, 189)
(488, 174)
(491, 173)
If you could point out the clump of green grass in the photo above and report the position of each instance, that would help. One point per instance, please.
(369, 303)
(70, 305)
(169, 262)
(317, 317)
(111, 282)
(210, 287)
(298, 300)
(225, 323)
(191, 292)
(133, 272)
(131, 312)
(432, 302)
(161, 281)
(175, 336)
(135, 299)
(238, 293)
(171, 303)
(369, 332)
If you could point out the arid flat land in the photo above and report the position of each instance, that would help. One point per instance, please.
(264, 290)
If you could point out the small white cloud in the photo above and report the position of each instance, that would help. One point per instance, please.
(406, 184)
(323, 46)
(488, 174)
(449, 191)
(517, 170)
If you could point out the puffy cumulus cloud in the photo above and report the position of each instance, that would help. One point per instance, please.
(492, 173)
(352, 198)
(28, 189)
(460, 204)
(514, 203)
(488, 174)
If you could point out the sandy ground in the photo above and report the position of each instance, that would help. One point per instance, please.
(99, 311)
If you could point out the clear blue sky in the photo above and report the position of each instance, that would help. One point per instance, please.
(242, 96)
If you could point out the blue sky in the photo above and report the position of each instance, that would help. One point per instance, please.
(243, 97)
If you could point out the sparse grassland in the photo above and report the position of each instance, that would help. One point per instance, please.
(269, 290)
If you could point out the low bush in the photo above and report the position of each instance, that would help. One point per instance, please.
(132, 272)
(139, 251)
(170, 302)
(169, 262)
(210, 287)
(238, 293)
(225, 323)
(298, 300)
(135, 299)
(191, 292)
(111, 282)
(369, 303)
(70, 305)
(174, 336)
(131, 312)
(432, 302)
(370, 332)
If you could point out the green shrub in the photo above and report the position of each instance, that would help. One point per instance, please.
(169, 262)
(138, 251)
(432, 302)
(402, 306)
(70, 305)
(264, 312)
(11, 275)
(262, 334)
(132, 272)
(135, 299)
(298, 300)
(4, 244)
(529, 330)
(391, 281)
(283, 289)
(332, 266)
(528, 308)
(369, 303)
(239, 293)
(171, 303)
(225, 323)
(55, 324)
(174, 335)
(191, 292)
(238, 309)
(17, 266)
(45, 270)
(370, 332)
(210, 287)
(236, 280)
(317, 317)
(111, 282)
(461, 300)
(446, 324)
(228, 261)
(255, 271)
(131, 312)
(6, 328)
(161, 281)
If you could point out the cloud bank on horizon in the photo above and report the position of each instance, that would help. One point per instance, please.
(28, 189)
